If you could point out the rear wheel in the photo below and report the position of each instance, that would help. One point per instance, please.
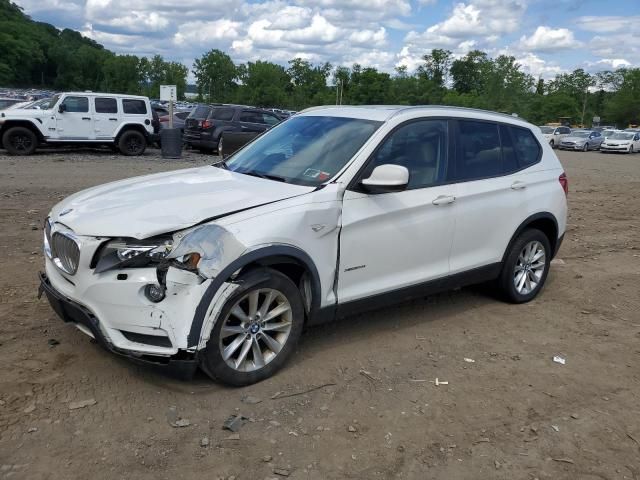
(256, 331)
(132, 143)
(526, 266)
(20, 141)
(220, 146)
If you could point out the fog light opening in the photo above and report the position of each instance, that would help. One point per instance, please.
(154, 292)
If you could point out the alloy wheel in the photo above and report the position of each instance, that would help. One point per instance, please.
(256, 329)
(133, 145)
(585, 148)
(529, 268)
(21, 143)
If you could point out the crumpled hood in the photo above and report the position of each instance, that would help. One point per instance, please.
(142, 207)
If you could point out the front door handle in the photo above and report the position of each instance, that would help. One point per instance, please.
(86, 118)
(518, 185)
(444, 200)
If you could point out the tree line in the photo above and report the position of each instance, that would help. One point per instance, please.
(37, 54)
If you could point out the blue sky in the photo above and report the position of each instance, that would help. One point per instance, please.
(546, 36)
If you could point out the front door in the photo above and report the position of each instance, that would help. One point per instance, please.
(75, 122)
(401, 239)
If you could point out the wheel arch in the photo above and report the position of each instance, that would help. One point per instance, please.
(289, 260)
(22, 123)
(128, 127)
(546, 222)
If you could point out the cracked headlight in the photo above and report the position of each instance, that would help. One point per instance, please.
(131, 253)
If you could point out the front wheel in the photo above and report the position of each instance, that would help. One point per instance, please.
(630, 149)
(256, 331)
(526, 266)
(585, 148)
(132, 143)
(20, 141)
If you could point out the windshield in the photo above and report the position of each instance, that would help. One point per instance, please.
(547, 130)
(622, 136)
(580, 134)
(305, 150)
(52, 102)
(608, 133)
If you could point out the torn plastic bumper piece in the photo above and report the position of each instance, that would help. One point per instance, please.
(183, 366)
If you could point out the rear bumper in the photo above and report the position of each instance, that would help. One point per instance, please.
(200, 140)
(182, 364)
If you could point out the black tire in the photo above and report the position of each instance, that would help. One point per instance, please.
(552, 144)
(20, 141)
(585, 148)
(205, 150)
(507, 279)
(211, 359)
(132, 143)
(219, 149)
(630, 149)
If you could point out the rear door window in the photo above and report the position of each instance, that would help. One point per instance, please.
(224, 114)
(526, 146)
(479, 153)
(134, 107)
(106, 105)
(250, 117)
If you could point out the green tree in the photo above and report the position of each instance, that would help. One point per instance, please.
(216, 76)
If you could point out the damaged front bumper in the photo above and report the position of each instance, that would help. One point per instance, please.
(182, 364)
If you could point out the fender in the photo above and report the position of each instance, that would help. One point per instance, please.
(34, 124)
(253, 257)
(555, 242)
(141, 127)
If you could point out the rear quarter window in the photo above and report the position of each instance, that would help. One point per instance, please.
(201, 111)
(134, 107)
(527, 148)
(224, 114)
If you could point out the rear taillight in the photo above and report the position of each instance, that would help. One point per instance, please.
(206, 124)
(564, 182)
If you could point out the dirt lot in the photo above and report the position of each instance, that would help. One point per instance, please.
(513, 414)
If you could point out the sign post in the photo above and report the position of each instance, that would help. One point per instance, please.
(169, 93)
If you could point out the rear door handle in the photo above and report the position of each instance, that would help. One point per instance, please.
(86, 118)
(113, 119)
(518, 185)
(444, 200)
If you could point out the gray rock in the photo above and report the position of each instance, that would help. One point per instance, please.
(82, 403)
(204, 442)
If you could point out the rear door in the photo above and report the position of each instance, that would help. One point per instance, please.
(76, 120)
(494, 190)
(256, 121)
(106, 117)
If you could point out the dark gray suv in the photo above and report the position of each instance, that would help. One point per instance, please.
(205, 125)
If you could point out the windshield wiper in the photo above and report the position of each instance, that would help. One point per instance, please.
(222, 164)
(268, 176)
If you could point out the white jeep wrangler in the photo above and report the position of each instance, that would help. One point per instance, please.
(121, 121)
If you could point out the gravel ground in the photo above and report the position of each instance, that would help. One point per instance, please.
(359, 398)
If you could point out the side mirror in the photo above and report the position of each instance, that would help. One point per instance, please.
(62, 107)
(387, 178)
(556, 133)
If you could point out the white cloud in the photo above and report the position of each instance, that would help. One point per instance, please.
(203, 33)
(549, 39)
(609, 24)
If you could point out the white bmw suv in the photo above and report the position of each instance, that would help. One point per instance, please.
(334, 211)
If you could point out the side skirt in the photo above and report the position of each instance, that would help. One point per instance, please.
(374, 302)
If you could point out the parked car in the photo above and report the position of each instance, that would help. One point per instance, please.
(204, 126)
(7, 102)
(554, 135)
(121, 121)
(608, 132)
(335, 211)
(582, 140)
(627, 142)
(178, 120)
